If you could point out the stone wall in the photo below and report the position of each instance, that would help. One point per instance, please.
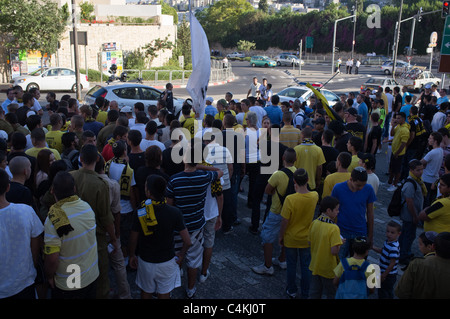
(127, 38)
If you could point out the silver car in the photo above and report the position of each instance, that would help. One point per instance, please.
(296, 92)
(288, 60)
(50, 79)
(400, 67)
(128, 94)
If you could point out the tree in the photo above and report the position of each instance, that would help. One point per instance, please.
(87, 8)
(32, 25)
(167, 9)
(263, 6)
(246, 46)
(151, 49)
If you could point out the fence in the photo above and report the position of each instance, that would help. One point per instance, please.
(158, 77)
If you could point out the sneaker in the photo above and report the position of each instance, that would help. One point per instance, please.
(263, 270)
(281, 264)
(229, 231)
(392, 188)
(291, 295)
(190, 293)
(203, 278)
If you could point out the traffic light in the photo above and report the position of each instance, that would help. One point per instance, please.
(445, 8)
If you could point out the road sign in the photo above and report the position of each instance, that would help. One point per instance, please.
(433, 38)
(444, 63)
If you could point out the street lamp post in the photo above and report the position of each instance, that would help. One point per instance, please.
(334, 38)
(75, 50)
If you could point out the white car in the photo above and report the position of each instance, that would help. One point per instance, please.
(400, 67)
(375, 82)
(51, 79)
(288, 60)
(236, 55)
(294, 92)
(128, 94)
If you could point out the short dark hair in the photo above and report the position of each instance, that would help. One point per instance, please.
(156, 185)
(119, 130)
(68, 138)
(139, 106)
(328, 135)
(38, 134)
(356, 142)
(119, 148)
(153, 156)
(63, 185)
(359, 174)
(328, 202)
(414, 163)
(151, 127)
(301, 177)
(275, 99)
(442, 245)
(360, 245)
(4, 181)
(345, 158)
(135, 137)
(89, 154)
(395, 225)
(18, 141)
(113, 115)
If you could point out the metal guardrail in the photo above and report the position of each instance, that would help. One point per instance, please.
(153, 77)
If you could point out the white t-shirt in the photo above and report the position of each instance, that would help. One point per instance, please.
(18, 224)
(219, 156)
(147, 143)
(390, 99)
(139, 127)
(115, 172)
(373, 180)
(36, 107)
(260, 113)
(434, 161)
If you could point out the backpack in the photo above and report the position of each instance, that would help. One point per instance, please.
(71, 159)
(396, 203)
(353, 284)
(290, 187)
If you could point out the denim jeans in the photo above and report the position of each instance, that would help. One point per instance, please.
(406, 239)
(346, 249)
(292, 256)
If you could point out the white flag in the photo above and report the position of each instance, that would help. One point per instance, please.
(201, 67)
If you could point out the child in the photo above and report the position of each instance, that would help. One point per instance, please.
(298, 213)
(325, 241)
(426, 243)
(351, 273)
(390, 254)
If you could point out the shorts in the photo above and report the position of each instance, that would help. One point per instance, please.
(194, 255)
(395, 164)
(271, 228)
(159, 278)
(209, 233)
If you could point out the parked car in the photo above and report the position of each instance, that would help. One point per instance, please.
(51, 79)
(127, 94)
(262, 60)
(400, 67)
(288, 60)
(375, 60)
(375, 82)
(236, 55)
(294, 92)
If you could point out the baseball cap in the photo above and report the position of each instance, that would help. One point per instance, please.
(126, 109)
(210, 99)
(428, 86)
(222, 102)
(368, 159)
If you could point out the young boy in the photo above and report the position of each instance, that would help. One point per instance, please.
(298, 213)
(390, 254)
(354, 146)
(325, 241)
(351, 273)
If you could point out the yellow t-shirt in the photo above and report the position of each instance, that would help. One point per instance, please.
(323, 235)
(439, 214)
(220, 115)
(299, 210)
(34, 151)
(339, 270)
(53, 139)
(102, 117)
(332, 180)
(290, 136)
(309, 157)
(354, 163)
(191, 124)
(401, 135)
(279, 180)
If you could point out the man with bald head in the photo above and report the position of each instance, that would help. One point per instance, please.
(20, 168)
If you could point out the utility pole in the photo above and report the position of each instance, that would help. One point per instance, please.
(355, 10)
(334, 39)
(75, 51)
(397, 39)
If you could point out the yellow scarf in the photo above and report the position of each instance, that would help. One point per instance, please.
(420, 182)
(146, 215)
(59, 218)
(125, 178)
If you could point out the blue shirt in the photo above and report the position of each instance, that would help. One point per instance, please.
(353, 207)
(441, 100)
(405, 109)
(211, 110)
(274, 113)
(5, 105)
(364, 112)
(404, 96)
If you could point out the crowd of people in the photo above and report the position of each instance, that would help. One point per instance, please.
(145, 189)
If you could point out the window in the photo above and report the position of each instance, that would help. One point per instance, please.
(52, 72)
(129, 93)
(67, 72)
(149, 94)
